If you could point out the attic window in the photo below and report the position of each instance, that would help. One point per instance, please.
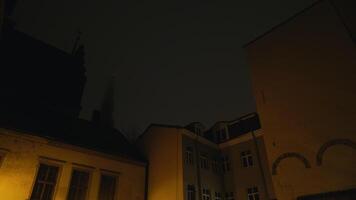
(222, 134)
(198, 130)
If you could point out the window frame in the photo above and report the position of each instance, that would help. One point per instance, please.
(207, 195)
(222, 134)
(246, 159)
(204, 161)
(191, 193)
(49, 162)
(229, 196)
(218, 195)
(189, 156)
(104, 172)
(226, 164)
(81, 169)
(253, 192)
(216, 165)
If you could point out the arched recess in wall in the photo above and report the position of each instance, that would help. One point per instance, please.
(324, 147)
(289, 155)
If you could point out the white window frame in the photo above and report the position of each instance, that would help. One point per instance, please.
(218, 196)
(222, 134)
(206, 194)
(253, 194)
(189, 159)
(226, 163)
(215, 165)
(190, 193)
(246, 159)
(204, 162)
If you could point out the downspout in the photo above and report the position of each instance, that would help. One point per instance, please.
(146, 181)
(177, 171)
(260, 165)
(198, 167)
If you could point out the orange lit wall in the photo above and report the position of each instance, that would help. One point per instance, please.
(23, 153)
(163, 148)
(304, 80)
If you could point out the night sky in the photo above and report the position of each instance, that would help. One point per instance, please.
(173, 62)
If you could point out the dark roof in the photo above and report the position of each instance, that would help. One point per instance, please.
(244, 126)
(39, 76)
(192, 126)
(77, 132)
(41, 88)
(236, 127)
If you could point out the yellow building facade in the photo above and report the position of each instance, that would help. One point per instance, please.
(304, 77)
(227, 161)
(22, 155)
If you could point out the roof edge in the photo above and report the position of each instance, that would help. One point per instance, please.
(306, 9)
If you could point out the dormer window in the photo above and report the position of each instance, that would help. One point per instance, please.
(222, 134)
(198, 130)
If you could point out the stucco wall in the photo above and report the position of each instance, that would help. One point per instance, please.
(23, 153)
(162, 147)
(304, 81)
(239, 178)
(208, 178)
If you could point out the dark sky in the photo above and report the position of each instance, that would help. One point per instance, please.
(173, 62)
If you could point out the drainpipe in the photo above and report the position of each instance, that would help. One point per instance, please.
(146, 180)
(260, 165)
(198, 167)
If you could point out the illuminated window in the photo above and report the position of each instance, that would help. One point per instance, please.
(189, 156)
(45, 182)
(246, 159)
(226, 163)
(218, 196)
(229, 196)
(206, 194)
(78, 185)
(204, 162)
(215, 165)
(191, 192)
(107, 188)
(252, 194)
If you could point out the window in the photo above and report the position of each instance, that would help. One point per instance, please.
(252, 194)
(107, 188)
(246, 159)
(206, 194)
(222, 134)
(191, 192)
(45, 182)
(218, 196)
(189, 156)
(78, 185)
(198, 130)
(204, 163)
(226, 163)
(215, 165)
(229, 196)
